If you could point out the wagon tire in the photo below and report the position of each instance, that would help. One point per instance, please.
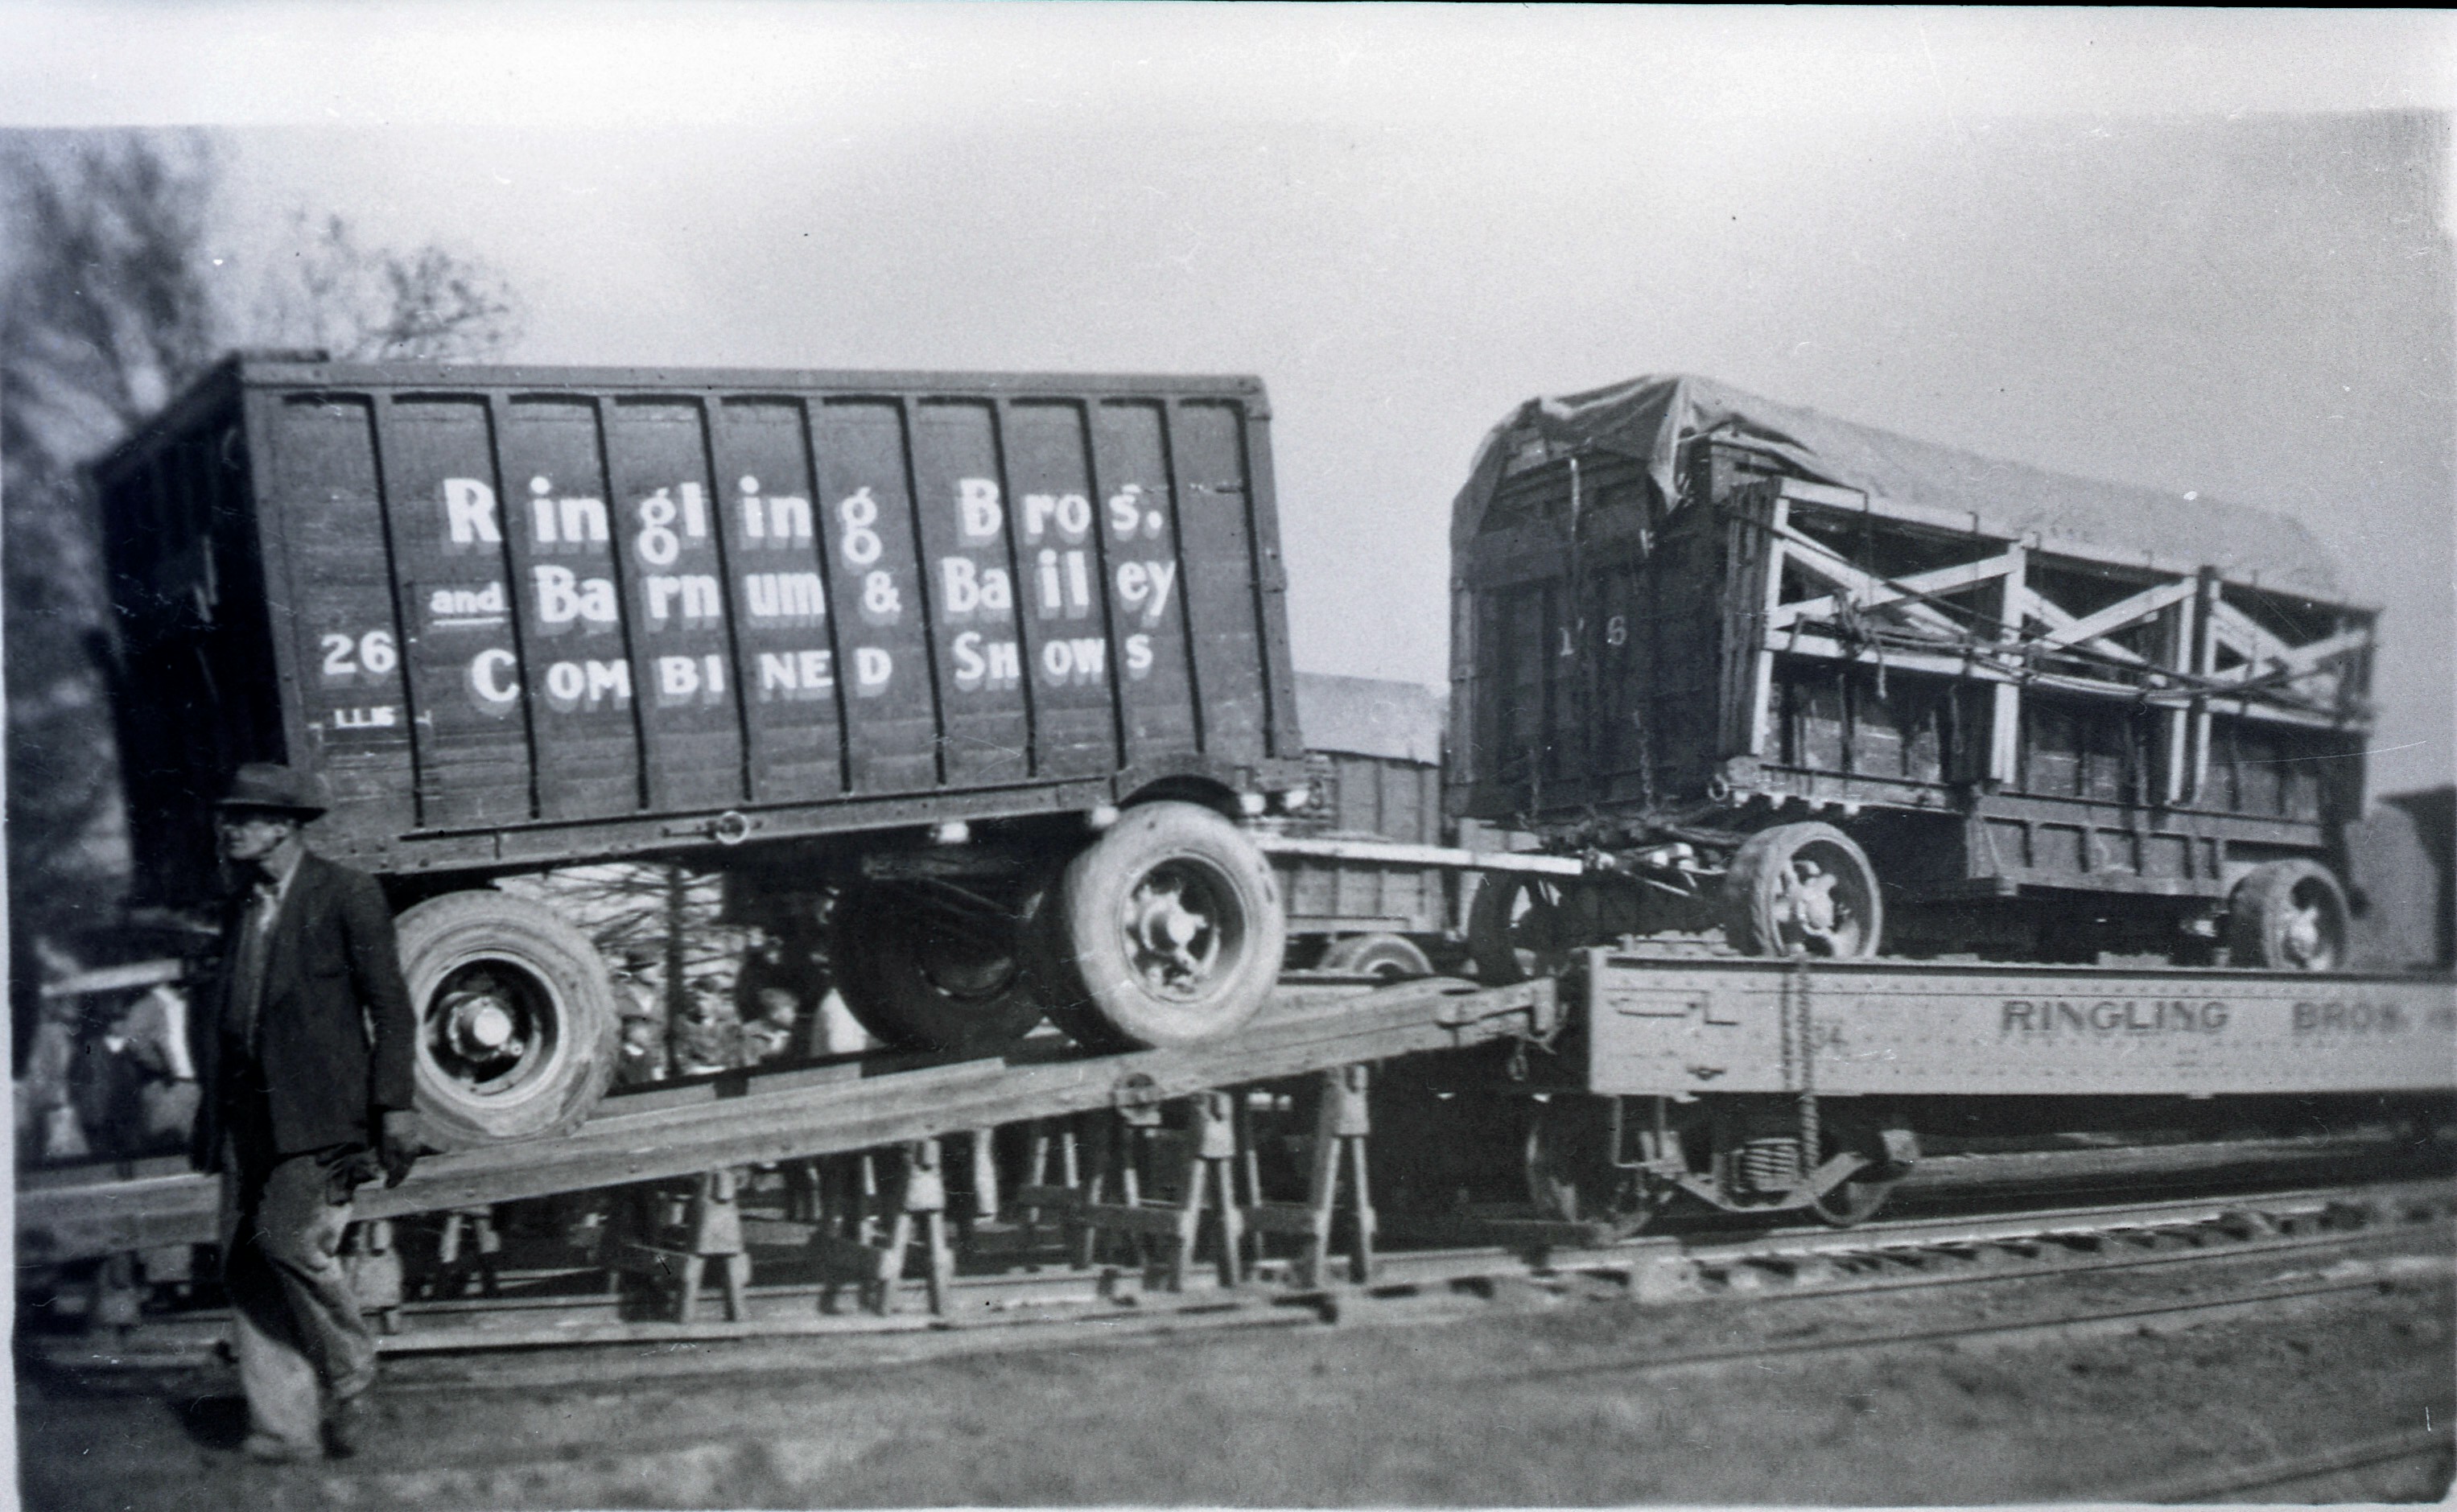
(1167, 930)
(2288, 916)
(916, 981)
(1520, 927)
(517, 1028)
(1392, 958)
(1802, 889)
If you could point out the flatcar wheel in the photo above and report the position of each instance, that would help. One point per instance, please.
(1852, 1203)
(1390, 957)
(1167, 930)
(925, 971)
(1802, 889)
(516, 1019)
(1519, 928)
(1571, 1176)
(2288, 916)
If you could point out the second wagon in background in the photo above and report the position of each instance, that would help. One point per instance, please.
(1835, 688)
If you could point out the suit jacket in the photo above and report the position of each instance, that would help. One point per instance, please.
(335, 1029)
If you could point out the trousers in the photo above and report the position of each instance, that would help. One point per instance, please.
(297, 1327)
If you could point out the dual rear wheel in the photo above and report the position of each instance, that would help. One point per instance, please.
(1167, 930)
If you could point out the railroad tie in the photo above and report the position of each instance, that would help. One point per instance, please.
(1341, 1126)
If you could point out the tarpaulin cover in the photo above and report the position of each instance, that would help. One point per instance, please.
(1648, 419)
(1368, 716)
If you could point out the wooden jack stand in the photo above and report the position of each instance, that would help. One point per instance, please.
(469, 1242)
(372, 1264)
(875, 1261)
(1206, 1182)
(711, 1232)
(1341, 1124)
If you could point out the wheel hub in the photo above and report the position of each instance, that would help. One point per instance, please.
(2303, 935)
(1174, 943)
(480, 1026)
(1807, 900)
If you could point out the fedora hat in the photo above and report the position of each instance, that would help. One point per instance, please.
(265, 786)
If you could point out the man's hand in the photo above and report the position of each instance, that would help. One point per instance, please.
(404, 1140)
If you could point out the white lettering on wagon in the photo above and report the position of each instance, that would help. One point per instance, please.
(564, 522)
(775, 521)
(795, 599)
(977, 511)
(588, 685)
(694, 592)
(1143, 587)
(565, 598)
(796, 676)
(494, 696)
(656, 541)
(1082, 660)
(467, 608)
(1129, 517)
(469, 515)
(690, 679)
(1070, 513)
(2110, 1017)
(966, 590)
(994, 665)
(873, 670)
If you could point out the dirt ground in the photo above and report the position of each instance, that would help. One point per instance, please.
(1526, 1400)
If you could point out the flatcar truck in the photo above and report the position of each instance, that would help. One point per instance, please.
(1000, 661)
(1838, 690)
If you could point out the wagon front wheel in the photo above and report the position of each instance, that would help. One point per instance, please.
(517, 1031)
(1520, 927)
(1166, 931)
(1802, 889)
(2288, 916)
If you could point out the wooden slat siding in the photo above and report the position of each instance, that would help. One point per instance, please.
(1216, 542)
(472, 751)
(1250, 428)
(1074, 703)
(784, 622)
(370, 770)
(1139, 514)
(327, 498)
(882, 637)
(690, 733)
(587, 749)
(987, 724)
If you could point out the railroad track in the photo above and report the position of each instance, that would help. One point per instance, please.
(1028, 1308)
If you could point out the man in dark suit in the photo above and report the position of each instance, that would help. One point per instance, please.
(307, 1072)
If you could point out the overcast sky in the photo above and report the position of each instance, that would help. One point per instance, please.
(2190, 250)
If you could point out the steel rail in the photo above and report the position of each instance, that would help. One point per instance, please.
(1814, 1262)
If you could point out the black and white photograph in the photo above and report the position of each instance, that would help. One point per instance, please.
(1001, 752)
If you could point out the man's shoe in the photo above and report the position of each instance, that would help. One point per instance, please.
(345, 1426)
(265, 1449)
